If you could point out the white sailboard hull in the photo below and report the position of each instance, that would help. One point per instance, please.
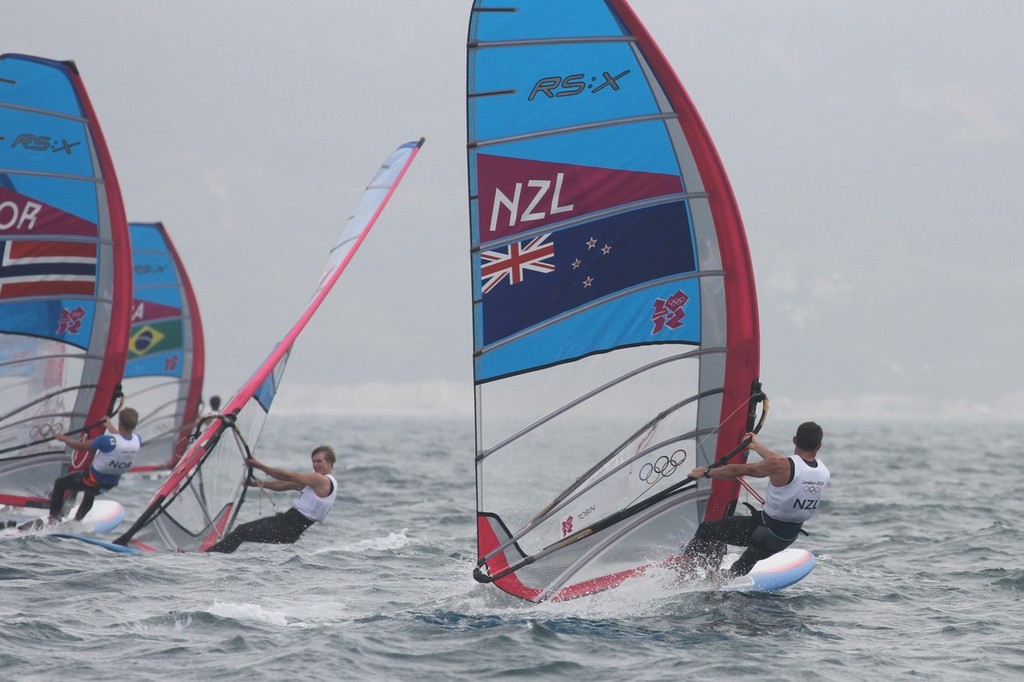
(104, 517)
(775, 573)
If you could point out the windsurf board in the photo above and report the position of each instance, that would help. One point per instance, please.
(104, 517)
(778, 571)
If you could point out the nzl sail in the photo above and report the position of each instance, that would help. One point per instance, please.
(198, 503)
(615, 329)
(163, 378)
(65, 278)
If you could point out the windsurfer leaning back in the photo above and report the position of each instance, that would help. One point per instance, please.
(115, 452)
(319, 489)
(795, 485)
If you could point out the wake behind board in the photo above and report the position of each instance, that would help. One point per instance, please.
(778, 571)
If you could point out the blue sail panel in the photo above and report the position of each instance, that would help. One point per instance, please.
(653, 315)
(602, 82)
(61, 145)
(540, 19)
(66, 320)
(42, 84)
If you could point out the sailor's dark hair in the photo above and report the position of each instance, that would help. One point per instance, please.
(328, 453)
(808, 436)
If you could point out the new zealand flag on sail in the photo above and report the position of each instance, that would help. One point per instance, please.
(525, 283)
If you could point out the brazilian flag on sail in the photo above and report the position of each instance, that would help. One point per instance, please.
(154, 337)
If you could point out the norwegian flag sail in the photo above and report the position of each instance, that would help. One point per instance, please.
(615, 330)
(40, 268)
(65, 277)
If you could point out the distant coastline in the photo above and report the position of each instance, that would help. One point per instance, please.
(446, 398)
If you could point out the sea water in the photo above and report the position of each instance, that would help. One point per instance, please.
(919, 577)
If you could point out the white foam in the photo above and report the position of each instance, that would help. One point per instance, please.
(249, 612)
(390, 542)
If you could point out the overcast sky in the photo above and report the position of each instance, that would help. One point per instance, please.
(875, 149)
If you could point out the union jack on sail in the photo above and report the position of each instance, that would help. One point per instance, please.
(515, 260)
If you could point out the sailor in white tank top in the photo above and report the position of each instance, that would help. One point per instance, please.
(316, 508)
(114, 453)
(308, 508)
(797, 501)
(795, 487)
(114, 456)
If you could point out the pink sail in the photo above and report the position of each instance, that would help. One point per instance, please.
(198, 502)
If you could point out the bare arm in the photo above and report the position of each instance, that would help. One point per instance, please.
(274, 485)
(763, 451)
(773, 466)
(72, 443)
(320, 484)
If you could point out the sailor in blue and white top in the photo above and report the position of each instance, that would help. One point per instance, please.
(795, 486)
(114, 453)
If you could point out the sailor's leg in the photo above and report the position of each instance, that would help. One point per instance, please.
(61, 487)
(707, 548)
(87, 499)
(763, 543)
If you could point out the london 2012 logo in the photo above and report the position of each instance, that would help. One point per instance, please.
(668, 312)
(575, 84)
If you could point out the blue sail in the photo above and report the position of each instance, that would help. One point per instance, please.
(615, 330)
(163, 377)
(65, 278)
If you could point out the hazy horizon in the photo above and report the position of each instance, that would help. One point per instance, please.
(874, 149)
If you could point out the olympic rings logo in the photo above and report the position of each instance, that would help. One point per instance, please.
(812, 489)
(45, 431)
(663, 467)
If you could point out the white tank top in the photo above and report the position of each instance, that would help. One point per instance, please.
(797, 501)
(313, 507)
(115, 453)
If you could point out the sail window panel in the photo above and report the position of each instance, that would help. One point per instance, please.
(39, 380)
(533, 423)
(611, 555)
(161, 407)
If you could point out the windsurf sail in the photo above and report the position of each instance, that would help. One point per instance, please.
(163, 377)
(615, 330)
(65, 277)
(199, 501)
